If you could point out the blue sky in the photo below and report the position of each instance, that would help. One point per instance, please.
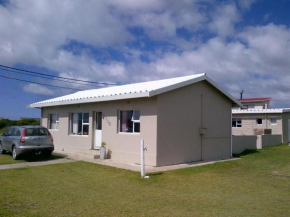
(242, 45)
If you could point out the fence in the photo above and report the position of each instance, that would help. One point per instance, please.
(241, 143)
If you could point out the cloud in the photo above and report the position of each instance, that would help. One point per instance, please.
(224, 19)
(253, 58)
(37, 89)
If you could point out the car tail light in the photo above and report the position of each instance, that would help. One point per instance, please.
(50, 135)
(22, 138)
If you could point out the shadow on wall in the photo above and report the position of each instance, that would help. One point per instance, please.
(109, 154)
(246, 152)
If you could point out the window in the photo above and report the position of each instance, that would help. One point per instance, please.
(99, 121)
(236, 122)
(53, 122)
(80, 123)
(273, 121)
(36, 132)
(130, 121)
(259, 121)
(16, 132)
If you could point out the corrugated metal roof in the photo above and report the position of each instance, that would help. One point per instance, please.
(260, 111)
(254, 99)
(137, 90)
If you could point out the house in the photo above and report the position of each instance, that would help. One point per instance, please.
(257, 118)
(181, 120)
(255, 103)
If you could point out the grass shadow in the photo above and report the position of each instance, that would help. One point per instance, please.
(156, 174)
(246, 152)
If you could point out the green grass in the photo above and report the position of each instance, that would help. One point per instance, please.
(7, 158)
(256, 185)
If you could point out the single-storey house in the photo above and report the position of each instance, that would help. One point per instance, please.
(181, 120)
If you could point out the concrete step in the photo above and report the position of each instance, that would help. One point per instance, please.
(78, 154)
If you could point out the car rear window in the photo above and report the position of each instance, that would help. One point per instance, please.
(36, 132)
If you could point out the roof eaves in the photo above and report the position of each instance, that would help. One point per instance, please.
(90, 99)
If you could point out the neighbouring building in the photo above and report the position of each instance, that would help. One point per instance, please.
(254, 103)
(181, 119)
(256, 118)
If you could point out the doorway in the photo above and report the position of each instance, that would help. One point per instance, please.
(98, 130)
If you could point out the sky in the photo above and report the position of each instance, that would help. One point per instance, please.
(241, 45)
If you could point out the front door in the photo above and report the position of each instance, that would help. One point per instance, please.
(98, 130)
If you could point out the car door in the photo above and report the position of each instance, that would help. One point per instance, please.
(6, 140)
(14, 137)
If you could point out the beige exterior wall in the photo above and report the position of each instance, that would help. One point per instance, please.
(181, 113)
(122, 146)
(249, 123)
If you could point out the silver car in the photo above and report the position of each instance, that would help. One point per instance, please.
(26, 139)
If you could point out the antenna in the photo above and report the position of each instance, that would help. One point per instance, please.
(242, 94)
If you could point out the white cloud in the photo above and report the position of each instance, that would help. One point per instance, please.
(37, 89)
(224, 19)
(256, 59)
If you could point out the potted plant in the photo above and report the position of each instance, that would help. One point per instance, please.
(103, 151)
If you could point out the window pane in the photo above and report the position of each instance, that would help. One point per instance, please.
(137, 127)
(259, 121)
(53, 119)
(86, 129)
(136, 115)
(99, 121)
(234, 123)
(86, 118)
(80, 123)
(74, 123)
(14, 132)
(126, 122)
(9, 132)
(36, 132)
(273, 121)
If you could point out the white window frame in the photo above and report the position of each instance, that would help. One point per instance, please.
(83, 124)
(273, 124)
(56, 122)
(134, 121)
(237, 125)
(257, 121)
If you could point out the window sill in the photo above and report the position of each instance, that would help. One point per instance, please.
(79, 135)
(123, 133)
(53, 129)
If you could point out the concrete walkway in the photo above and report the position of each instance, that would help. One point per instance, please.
(150, 169)
(35, 164)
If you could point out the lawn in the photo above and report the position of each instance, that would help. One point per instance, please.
(256, 185)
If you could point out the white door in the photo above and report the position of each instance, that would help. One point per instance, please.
(98, 130)
(288, 130)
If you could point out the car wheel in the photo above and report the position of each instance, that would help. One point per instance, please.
(1, 149)
(14, 154)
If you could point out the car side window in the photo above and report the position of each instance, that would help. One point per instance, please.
(18, 133)
(14, 132)
(9, 132)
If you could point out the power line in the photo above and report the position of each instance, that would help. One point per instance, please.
(37, 83)
(54, 76)
(40, 76)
